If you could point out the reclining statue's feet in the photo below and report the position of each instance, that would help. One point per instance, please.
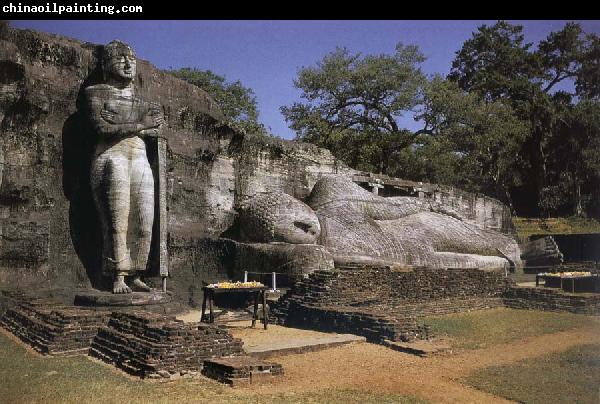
(139, 284)
(119, 285)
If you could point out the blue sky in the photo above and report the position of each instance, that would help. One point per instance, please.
(266, 55)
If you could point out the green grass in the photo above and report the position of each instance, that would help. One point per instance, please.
(572, 376)
(30, 378)
(556, 225)
(484, 328)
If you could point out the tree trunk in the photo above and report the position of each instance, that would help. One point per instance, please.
(578, 203)
(538, 166)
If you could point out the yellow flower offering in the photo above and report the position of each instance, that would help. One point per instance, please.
(235, 285)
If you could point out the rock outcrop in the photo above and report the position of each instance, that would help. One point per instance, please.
(49, 234)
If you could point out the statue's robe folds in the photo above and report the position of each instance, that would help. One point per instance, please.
(359, 226)
(122, 180)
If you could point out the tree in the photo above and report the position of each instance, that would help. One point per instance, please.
(574, 152)
(237, 102)
(498, 65)
(353, 104)
(479, 141)
(588, 77)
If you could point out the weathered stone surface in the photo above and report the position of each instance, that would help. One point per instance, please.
(357, 225)
(141, 343)
(288, 346)
(478, 209)
(212, 260)
(291, 261)
(46, 149)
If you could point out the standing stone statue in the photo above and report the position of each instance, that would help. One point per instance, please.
(121, 176)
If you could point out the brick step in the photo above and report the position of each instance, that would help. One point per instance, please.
(241, 370)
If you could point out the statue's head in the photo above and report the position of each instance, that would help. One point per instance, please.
(118, 62)
(276, 216)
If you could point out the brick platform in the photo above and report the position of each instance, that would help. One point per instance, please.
(550, 299)
(153, 345)
(241, 370)
(141, 343)
(382, 303)
(49, 327)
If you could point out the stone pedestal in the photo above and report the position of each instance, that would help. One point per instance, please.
(96, 298)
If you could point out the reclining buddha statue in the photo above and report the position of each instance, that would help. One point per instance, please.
(357, 226)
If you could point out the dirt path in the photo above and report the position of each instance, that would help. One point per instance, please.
(372, 367)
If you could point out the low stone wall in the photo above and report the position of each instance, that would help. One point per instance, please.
(549, 299)
(153, 345)
(386, 303)
(373, 325)
(51, 328)
(584, 266)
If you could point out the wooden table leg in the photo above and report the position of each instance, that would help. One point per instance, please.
(255, 312)
(203, 306)
(211, 317)
(264, 309)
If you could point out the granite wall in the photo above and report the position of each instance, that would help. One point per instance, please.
(486, 212)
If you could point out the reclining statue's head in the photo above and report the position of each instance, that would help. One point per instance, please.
(276, 216)
(118, 62)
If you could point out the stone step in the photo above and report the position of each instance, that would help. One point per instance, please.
(421, 348)
(301, 345)
(241, 370)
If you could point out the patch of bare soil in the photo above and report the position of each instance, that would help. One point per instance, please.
(370, 367)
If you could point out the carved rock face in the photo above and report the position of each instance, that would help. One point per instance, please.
(275, 216)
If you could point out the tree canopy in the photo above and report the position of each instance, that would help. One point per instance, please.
(498, 65)
(237, 102)
(353, 102)
(482, 139)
